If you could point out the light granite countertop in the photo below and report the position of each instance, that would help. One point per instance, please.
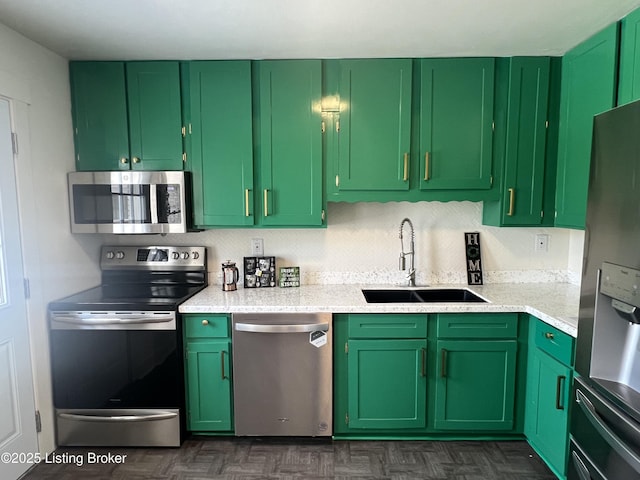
(553, 303)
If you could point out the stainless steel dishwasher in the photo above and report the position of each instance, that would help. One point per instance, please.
(282, 374)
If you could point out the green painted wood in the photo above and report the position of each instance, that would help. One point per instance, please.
(208, 393)
(456, 116)
(155, 115)
(477, 325)
(588, 88)
(547, 407)
(206, 325)
(386, 325)
(290, 145)
(629, 74)
(387, 384)
(475, 386)
(221, 156)
(552, 341)
(375, 124)
(99, 110)
(525, 144)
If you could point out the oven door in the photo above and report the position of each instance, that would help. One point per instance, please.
(117, 384)
(128, 202)
(605, 441)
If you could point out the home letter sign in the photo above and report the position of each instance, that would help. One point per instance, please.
(474, 265)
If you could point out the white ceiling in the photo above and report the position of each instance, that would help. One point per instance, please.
(255, 29)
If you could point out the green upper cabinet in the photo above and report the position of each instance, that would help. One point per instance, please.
(155, 117)
(374, 126)
(523, 147)
(456, 117)
(588, 88)
(99, 112)
(289, 146)
(220, 152)
(629, 75)
(127, 115)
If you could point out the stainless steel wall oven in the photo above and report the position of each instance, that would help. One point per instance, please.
(116, 349)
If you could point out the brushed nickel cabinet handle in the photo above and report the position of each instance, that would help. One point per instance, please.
(559, 382)
(512, 197)
(443, 363)
(266, 204)
(246, 202)
(205, 322)
(548, 335)
(222, 364)
(124, 160)
(426, 166)
(405, 175)
(423, 369)
(136, 160)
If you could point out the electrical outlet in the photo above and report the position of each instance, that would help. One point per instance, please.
(542, 242)
(257, 246)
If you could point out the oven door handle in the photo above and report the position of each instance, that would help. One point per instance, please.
(607, 433)
(118, 418)
(113, 321)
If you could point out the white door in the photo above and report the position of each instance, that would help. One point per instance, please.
(18, 436)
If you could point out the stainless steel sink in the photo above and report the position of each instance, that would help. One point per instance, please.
(421, 295)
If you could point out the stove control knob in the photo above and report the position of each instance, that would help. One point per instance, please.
(185, 255)
(110, 255)
(195, 255)
(120, 255)
(175, 255)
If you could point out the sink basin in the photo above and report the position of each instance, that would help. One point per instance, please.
(421, 295)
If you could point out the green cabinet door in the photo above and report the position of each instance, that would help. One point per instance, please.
(155, 117)
(629, 73)
(547, 408)
(588, 88)
(289, 150)
(208, 386)
(456, 118)
(374, 125)
(387, 384)
(221, 142)
(99, 110)
(524, 145)
(475, 385)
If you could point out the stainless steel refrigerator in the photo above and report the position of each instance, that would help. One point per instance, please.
(605, 416)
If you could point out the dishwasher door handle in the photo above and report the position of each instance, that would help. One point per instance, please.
(288, 328)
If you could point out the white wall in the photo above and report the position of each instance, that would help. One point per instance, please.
(56, 263)
(361, 245)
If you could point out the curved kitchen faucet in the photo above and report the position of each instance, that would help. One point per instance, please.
(411, 275)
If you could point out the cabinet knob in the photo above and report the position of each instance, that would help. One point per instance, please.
(205, 322)
(136, 160)
(548, 335)
(124, 160)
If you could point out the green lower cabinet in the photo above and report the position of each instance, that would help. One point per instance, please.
(209, 386)
(547, 410)
(475, 386)
(387, 385)
(208, 373)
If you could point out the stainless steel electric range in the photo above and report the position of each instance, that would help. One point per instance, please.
(116, 349)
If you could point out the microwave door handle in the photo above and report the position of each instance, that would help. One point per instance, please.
(630, 457)
(153, 203)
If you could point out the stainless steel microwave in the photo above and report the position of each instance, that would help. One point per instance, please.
(129, 202)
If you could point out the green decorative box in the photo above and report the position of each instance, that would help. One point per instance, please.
(289, 277)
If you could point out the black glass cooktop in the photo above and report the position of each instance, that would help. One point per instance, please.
(127, 297)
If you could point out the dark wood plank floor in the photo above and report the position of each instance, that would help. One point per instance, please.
(301, 458)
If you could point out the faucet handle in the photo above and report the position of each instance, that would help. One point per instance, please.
(402, 263)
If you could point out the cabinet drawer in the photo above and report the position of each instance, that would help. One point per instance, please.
(388, 326)
(199, 326)
(554, 342)
(477, 325)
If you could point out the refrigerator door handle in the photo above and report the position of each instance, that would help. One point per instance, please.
(581, 468)
(289, 328)
(607, 433)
